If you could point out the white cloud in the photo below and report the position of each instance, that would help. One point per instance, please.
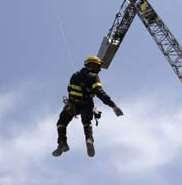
(32, 146)
(6, 102)
(151, 139)
(10, 99)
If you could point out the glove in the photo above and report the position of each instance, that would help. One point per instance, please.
(117, 111)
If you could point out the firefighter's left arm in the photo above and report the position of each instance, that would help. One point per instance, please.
(102, 95)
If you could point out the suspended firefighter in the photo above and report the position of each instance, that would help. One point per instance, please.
(84, 85)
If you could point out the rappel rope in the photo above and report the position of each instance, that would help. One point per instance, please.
(66, 43)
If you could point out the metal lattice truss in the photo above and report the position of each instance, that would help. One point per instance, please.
(117, 32)
(122, 22)
(155, 26)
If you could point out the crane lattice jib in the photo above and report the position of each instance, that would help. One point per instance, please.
(122, 21)
(120, 26)
(162, 35)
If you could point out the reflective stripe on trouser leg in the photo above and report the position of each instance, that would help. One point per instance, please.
(88, 131)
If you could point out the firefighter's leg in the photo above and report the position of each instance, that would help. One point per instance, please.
(86, 120)
(62, 124)
(64, 119)
(86, 117)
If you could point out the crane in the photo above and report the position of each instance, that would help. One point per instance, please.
(159, 31)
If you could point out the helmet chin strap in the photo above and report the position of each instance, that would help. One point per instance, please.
(92, 74)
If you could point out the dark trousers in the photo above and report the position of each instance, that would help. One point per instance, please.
(67, 114)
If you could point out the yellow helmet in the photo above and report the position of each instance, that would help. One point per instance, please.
(93, 59)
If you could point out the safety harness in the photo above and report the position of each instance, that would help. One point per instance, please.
(96, 113)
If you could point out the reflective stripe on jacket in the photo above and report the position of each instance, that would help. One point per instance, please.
(83, 87)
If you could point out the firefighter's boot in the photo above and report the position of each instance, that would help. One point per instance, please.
(62, 147)
(62, 141)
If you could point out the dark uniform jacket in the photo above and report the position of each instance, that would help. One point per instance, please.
(84, 86)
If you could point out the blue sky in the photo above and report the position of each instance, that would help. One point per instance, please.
(42, 43)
